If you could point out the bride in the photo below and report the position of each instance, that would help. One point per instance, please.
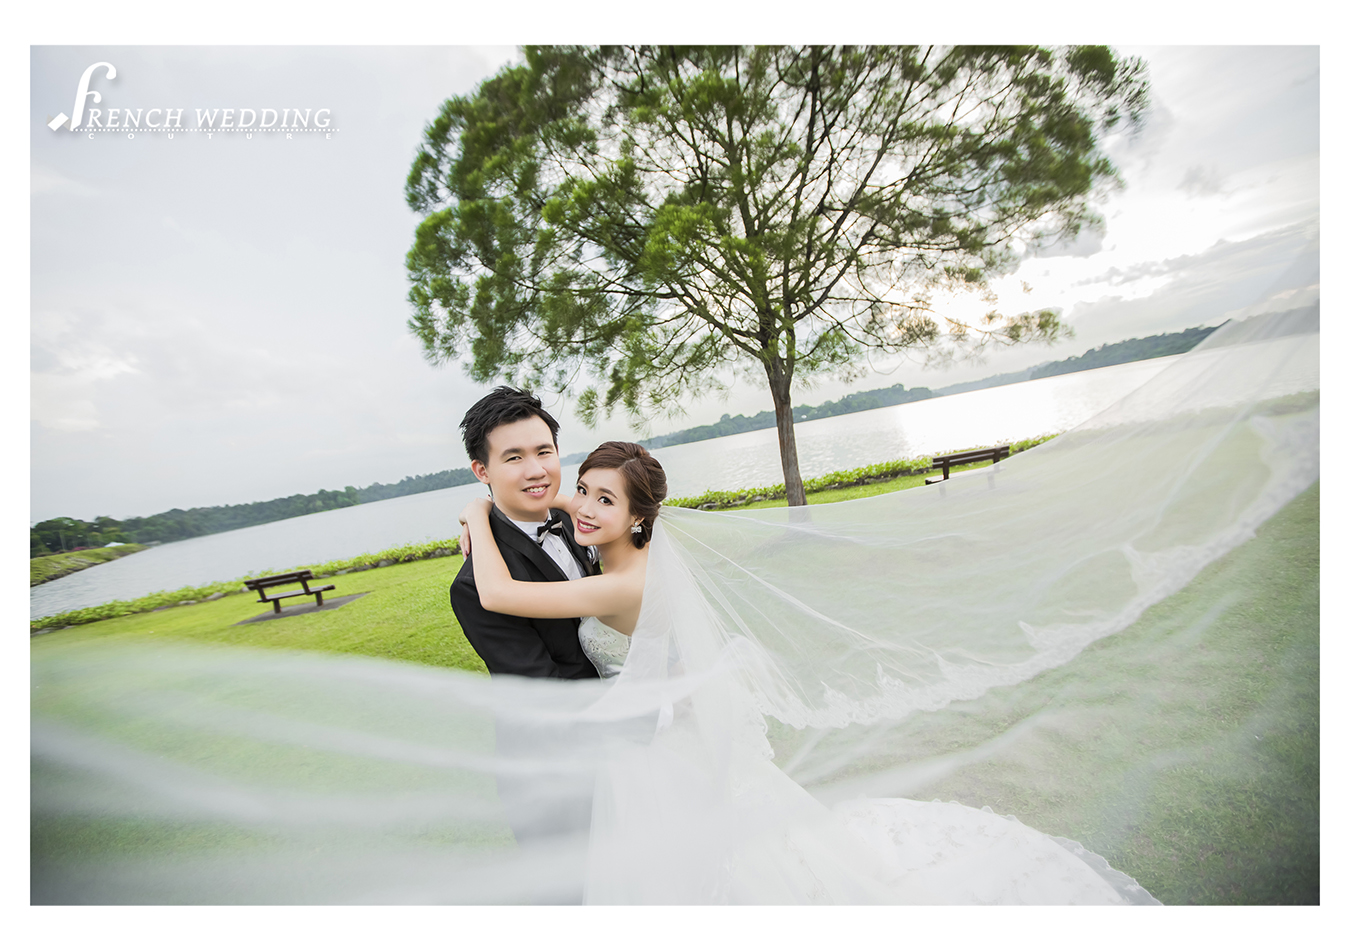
(795, 851)
(792, 692)
(619, 492)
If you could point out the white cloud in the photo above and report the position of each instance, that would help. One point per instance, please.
(45, 181)
(56, 408)
(212, 326)
(1201, 180)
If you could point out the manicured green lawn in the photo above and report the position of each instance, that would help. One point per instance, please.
(1184, 749)
(405, 615)
(1199, 776)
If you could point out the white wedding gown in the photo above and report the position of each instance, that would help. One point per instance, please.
(800, 852)
(799, 686)
(604, 646)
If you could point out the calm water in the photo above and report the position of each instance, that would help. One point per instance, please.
(986, 416)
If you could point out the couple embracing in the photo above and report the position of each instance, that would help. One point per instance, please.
(692, 810)
(530, 533)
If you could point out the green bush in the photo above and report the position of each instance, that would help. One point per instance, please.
(880, 472)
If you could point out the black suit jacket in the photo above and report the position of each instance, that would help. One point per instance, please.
(520, 645)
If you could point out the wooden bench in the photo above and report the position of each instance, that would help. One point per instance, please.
(997, 453)
(261, 584)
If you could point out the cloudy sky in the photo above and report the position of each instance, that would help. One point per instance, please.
(222, 320)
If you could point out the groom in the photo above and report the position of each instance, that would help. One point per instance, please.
(512, 443)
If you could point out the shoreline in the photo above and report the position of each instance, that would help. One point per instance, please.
(831, 484)
(65, 563)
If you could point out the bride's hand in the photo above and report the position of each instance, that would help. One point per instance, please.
(478, 504)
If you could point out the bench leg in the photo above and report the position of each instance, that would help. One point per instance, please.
(276, 606)
(319, 596)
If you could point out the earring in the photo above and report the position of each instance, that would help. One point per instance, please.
(636, 529)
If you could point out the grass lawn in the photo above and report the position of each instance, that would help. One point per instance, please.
(1201, 779)
(49, 567)
(1184, 749)
(405, 615)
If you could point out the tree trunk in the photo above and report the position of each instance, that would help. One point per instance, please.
(780, 385)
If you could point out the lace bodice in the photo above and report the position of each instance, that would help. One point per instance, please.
(604, 646)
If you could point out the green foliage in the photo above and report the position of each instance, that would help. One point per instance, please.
(732, 425)
(69, 534)
(177, 524)
(861, 402)
(1128, 351)
(865, 475)
(643, 217)
(1151, 347)
(50, 567)
(186, 595)
(408, 617)
(415, 484)
(401, 554)
(1218, 778)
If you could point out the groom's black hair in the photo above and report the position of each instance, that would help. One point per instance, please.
(500, 407)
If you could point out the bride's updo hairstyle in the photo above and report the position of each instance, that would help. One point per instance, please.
(643, 476)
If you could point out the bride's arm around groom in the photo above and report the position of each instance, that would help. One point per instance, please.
(511, 441)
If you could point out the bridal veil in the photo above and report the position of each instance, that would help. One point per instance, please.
(1080, 636)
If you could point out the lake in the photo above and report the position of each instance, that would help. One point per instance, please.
(750, 459)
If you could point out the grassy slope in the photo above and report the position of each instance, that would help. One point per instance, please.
(406, 616)
(1250, 669)
(1185, 749)
(1230, 805)
(49, 567)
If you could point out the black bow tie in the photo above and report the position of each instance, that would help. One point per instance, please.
(552, 526)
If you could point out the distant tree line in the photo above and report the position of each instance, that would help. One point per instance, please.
(66, 534)
(1165, 344)
(176, 524)
(413, 484)
(854, 402)
(1150, 347)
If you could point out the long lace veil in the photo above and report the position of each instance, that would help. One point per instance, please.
(1112, 636)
